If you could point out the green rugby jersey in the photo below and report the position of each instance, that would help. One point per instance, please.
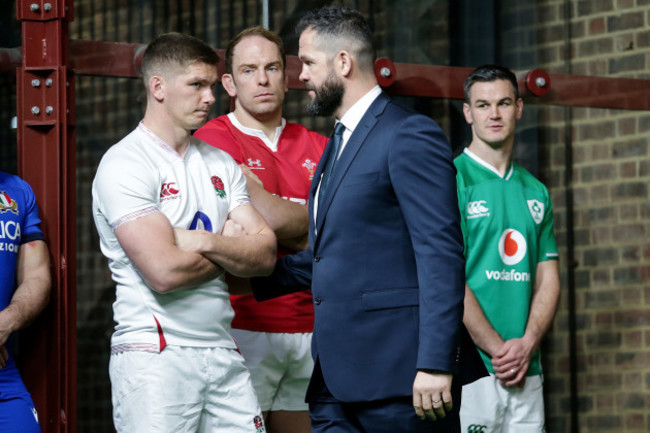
(507, 225)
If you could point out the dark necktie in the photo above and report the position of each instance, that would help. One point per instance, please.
(335, 143)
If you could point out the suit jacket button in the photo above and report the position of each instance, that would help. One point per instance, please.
(317, 301)
(317, 258)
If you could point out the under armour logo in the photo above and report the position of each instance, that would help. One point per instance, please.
(476, 428)
(254, 163)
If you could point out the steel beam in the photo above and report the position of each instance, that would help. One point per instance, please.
(46, 160)
(404, 79)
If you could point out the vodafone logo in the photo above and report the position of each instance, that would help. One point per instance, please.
(512, 247)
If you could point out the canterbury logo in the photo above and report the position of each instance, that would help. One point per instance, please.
(476, 428)
(477, 209)
(168, 190)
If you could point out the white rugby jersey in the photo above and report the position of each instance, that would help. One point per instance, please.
(136, 177)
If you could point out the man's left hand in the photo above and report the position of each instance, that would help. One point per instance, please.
(432, 395)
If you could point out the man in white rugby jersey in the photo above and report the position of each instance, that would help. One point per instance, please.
(173, 214)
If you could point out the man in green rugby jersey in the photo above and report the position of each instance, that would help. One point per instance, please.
(512, 281)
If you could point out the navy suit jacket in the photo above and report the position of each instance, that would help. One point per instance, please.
(385, 262)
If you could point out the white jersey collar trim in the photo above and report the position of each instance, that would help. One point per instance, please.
(160, 142)
(475, 157)
(273, 145)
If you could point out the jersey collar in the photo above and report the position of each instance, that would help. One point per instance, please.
(506, 176)
(273, 145)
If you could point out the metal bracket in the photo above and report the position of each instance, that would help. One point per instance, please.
(44, 10)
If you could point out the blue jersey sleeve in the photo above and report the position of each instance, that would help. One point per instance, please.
(31, 229)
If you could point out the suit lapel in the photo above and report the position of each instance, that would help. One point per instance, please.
(314, 187)
(356, 141)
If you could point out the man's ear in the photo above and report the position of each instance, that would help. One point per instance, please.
(467, 113)
(228, 83)
(157, 87)
(520, 108)
(344, 61)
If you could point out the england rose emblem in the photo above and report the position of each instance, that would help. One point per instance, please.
(218, 186)
(259, 424)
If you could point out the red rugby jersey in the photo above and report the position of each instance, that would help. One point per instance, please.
(287, 173)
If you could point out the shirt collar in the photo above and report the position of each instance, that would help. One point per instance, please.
(489, 166)
(353, 116)
(273, 145)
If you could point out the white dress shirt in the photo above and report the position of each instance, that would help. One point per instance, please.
(350, 120)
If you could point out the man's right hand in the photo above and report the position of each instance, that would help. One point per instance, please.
(250, 175)
(189, 240)
(511, 362)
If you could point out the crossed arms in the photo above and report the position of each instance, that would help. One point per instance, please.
(171, 259)
(289, 221)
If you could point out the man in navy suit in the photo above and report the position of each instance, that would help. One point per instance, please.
(385, 262)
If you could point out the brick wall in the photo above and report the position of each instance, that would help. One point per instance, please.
(611, 170)
(610, 181)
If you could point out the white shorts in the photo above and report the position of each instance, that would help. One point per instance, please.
(488, 407)
(280, 365)
(183, 389)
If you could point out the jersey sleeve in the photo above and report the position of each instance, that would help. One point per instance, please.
(460, 192)
(123, 191)
(216, 134)
(547, 246)
(31, 230)
(238, 191)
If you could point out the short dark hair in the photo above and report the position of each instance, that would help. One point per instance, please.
(170, 50)
(253, 31)
(339, 25)
(489, 73)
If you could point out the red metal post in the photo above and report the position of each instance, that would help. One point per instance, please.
(46, 159)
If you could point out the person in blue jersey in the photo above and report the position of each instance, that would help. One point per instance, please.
(24, 293)
(511, 267)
